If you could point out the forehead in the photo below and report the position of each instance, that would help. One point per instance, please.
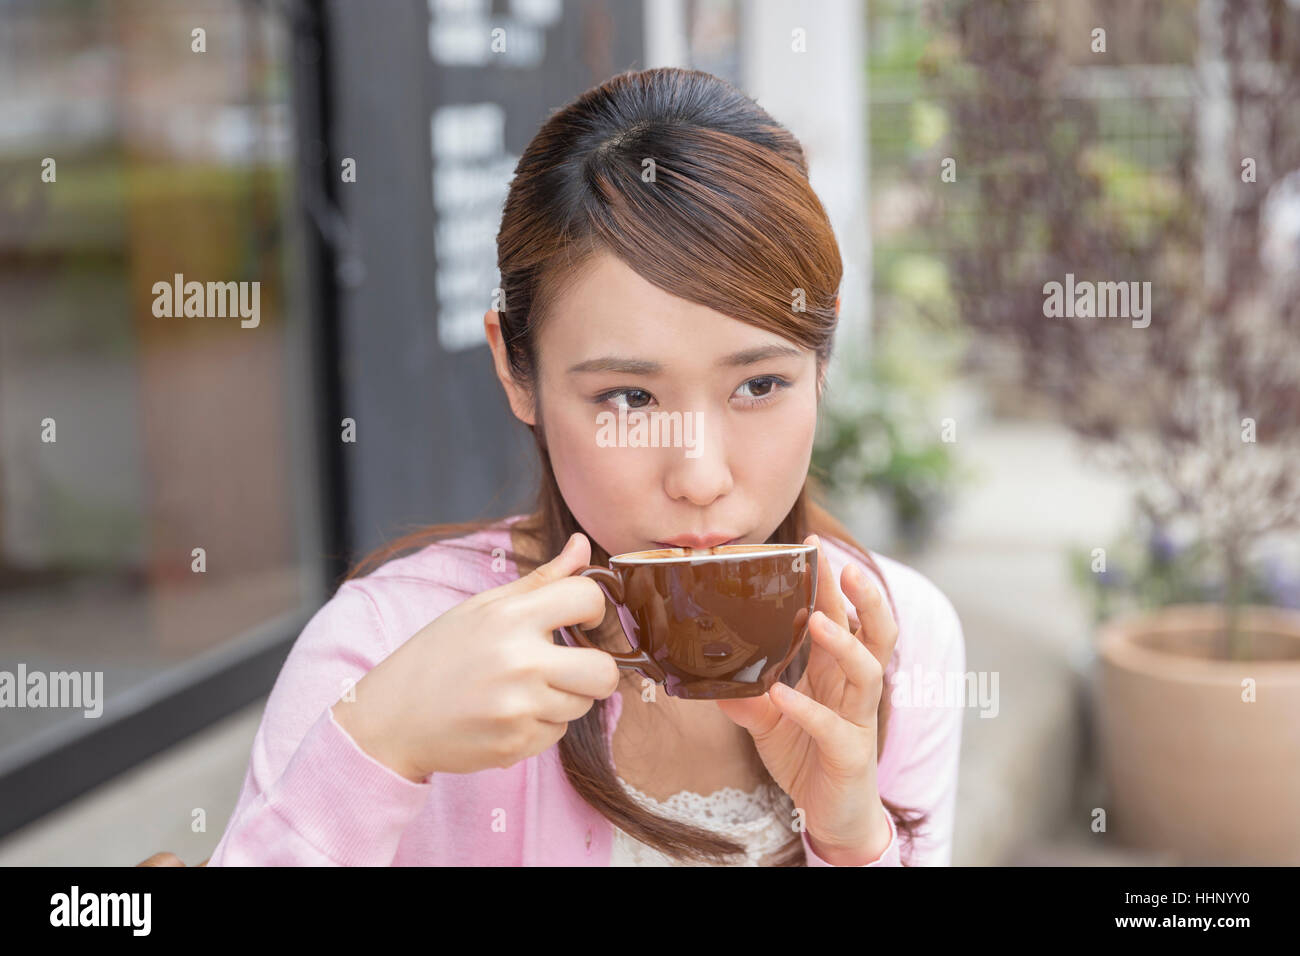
(608, 308)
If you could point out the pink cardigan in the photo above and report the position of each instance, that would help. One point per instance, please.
(312, 797)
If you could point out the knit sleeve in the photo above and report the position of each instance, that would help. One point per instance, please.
(921, 773)
(311, 796)
(889, 857)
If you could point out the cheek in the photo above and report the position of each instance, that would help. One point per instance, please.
(574, 453)
(804, 430)
(793, 444)
(784, 436)
(594, 480)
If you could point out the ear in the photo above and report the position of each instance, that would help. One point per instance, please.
(520, 402)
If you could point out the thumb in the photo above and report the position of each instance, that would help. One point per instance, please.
(575, 555)
(758, 715)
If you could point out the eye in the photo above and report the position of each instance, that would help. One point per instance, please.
(607, 396)
(768, 387)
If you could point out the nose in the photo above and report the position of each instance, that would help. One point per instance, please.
(702, 479)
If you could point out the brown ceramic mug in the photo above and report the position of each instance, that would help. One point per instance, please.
(709, 623)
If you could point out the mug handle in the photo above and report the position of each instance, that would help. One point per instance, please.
(612, 586)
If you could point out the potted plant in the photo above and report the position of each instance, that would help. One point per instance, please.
(1198, 698)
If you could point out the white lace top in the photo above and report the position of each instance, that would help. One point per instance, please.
(761, 823)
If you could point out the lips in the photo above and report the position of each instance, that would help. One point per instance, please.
(709, 540)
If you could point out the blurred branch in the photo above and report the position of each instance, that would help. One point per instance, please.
(1202, 405)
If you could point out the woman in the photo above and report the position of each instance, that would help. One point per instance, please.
(660, 249)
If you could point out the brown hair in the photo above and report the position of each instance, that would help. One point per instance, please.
(729, 221)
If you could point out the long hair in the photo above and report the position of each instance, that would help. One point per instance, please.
(727, 220)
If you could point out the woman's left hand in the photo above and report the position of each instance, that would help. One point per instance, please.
(819, 741)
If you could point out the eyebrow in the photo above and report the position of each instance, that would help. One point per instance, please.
(628, 366)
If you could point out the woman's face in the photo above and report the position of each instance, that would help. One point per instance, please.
(729, 463)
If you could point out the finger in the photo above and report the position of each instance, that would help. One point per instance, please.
(884, 709)
(861, 685)
(828, 597)
(568, 601)
(584, 671)
(822, 674)
(575, 555)
(164, 858)
(878, 630)
(560, 707)
(818, 721)
(758, 715)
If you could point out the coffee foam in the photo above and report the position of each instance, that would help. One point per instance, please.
(722, 552)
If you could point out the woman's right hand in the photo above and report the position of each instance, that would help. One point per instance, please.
(484, 685)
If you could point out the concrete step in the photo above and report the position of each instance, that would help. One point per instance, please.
(150, 807)
(1021, 770)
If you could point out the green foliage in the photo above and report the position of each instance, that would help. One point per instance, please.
(880, 428)
(879, 431)
(1147, 569)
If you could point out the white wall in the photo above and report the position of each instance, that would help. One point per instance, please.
(820, 95)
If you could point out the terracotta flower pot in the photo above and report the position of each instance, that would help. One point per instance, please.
(1192, 768)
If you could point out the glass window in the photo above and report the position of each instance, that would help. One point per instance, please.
(152, 447)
